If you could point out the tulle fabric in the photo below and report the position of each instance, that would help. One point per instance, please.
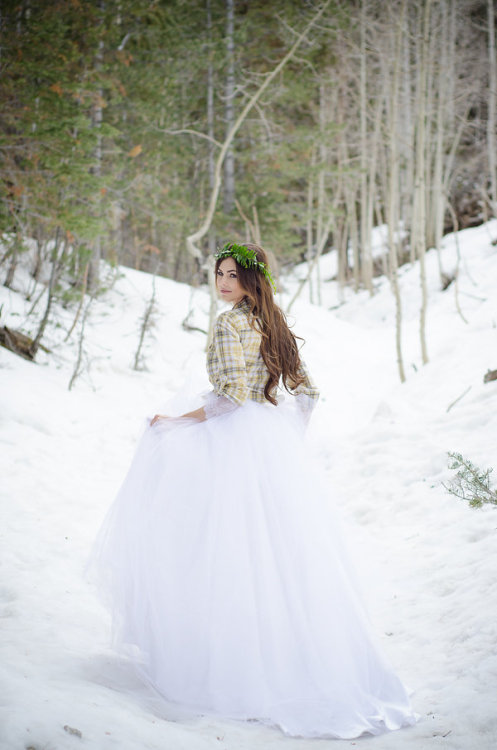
(229, 584)
(216, 406)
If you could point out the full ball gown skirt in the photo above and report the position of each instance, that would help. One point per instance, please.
(229, 584)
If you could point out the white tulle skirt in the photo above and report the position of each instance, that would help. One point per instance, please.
(230, 586)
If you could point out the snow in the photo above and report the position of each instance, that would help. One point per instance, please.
(429, 562)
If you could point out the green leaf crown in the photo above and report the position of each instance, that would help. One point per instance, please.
(246, 258)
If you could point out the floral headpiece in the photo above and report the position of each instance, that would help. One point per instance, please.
(246, 258)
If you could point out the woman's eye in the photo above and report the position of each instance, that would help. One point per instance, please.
(232, 275)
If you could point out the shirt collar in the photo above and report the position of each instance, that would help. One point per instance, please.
(244, 305)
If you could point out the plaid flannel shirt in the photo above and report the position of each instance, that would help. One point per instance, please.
(234, 361)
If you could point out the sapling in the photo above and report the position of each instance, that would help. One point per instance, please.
(470, 482)
(148, 320)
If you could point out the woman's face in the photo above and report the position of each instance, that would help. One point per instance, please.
(228, 286)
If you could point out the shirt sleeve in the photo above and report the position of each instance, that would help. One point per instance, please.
(217, 406)
(226, 362)
(306, 394)
(307, 388)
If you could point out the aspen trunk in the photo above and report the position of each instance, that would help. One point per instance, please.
(420, 185)
(367, 178)
(321, 187)
(371, 195)
(492, 106)
(341, 224)
(97, 119)
(319, 250)
(393, 218)
(309, 226)
(211, 173)
(229, 162)
(439, 197)
(407, 129)
(353, 233)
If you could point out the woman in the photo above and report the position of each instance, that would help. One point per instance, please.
(229, 584)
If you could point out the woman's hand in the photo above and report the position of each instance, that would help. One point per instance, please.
(157, 418)
(198, 415)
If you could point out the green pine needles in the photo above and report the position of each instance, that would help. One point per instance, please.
(470, 482)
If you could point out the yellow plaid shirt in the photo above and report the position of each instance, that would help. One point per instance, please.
(234, 361)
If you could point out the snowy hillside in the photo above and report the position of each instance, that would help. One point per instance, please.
(429, 562)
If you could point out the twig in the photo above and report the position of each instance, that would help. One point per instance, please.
(190, 131)
(456, 293)
(455, 224)
(147, 321)
(474, 296)
(188, 327)
(77, 367)
(123, 42)
(82, 299)
(246, 220)
(458, 399)
(35, 302)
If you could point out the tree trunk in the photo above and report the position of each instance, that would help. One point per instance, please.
(54, 274)
(14, 257)
(97, 119)
(309, 227)
(229, 162)
(407, 130)
(321, 243)
(492, 107)
(350, 200)
(343, 260)
(365, 227)
(393, 218)
(368, 264)
(211, 171)
(420, 184)
(439, 197)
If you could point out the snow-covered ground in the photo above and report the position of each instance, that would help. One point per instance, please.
(429, 561)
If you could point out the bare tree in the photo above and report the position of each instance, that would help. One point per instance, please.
(211, 167)
(78, 366)
(229, 109)
(97, 120)
(419, 197)
(365, 200)
(492, 106)
(148, 320)
(392, 203)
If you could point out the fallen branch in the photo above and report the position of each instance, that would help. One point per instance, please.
(16, 342)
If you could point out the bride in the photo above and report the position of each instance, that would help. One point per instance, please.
(221, 559)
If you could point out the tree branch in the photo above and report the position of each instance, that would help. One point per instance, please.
(191, 132)
(192, 239)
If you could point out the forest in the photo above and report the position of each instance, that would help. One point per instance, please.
(147, 133)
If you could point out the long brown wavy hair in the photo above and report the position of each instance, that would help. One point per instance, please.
(279, 348)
